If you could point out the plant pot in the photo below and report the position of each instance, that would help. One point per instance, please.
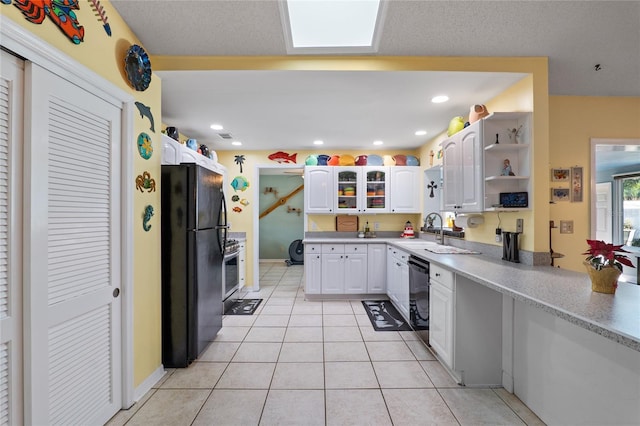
(604, 280)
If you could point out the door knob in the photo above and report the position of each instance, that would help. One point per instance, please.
(116, 292)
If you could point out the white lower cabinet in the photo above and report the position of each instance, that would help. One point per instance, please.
(333, 273)
(441, 321)
(398, 280)
(343, 269)
(377, 268)
(313, 269)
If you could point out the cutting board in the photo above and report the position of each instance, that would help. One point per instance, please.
(346, 223)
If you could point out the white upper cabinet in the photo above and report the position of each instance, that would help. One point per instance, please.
(319, 189)
(405, 189)
(462, 171)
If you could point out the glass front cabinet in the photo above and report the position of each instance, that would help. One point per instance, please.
(362, 189)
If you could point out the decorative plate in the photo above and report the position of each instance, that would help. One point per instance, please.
(138, 68)
(374, 160)
(388, 160)
(412, 161)
(145, 147)
(311, 160)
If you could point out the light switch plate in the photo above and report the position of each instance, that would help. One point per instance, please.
(566, 227)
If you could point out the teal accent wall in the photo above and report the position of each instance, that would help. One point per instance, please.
(279, 228)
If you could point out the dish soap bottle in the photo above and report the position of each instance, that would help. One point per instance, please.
(366, 229)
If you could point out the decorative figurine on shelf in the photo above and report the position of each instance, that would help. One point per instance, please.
(497, 138)
(431, 154)
(516, 133)
(506, 168)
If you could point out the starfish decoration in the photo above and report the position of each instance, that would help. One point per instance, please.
(239, 161)
(432, 186)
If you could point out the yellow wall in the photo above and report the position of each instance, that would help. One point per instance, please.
(105, 56)
(573, 121)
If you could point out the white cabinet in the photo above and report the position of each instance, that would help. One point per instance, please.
(404, 189)
(344, 269)
(319, 189)
(313, 268)
(441, 306)
(242, 264)
(499, 127)
(398, 280)
(361, 189)
(463, 183)
(377, 268)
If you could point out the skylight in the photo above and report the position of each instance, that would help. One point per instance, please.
(332, 26)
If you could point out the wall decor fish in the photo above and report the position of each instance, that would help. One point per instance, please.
(145, 111)
(148, 212)
(240, 183)
(283, 157)
(237, 209)
(61, 12)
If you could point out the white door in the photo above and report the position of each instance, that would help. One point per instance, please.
(72, 334)
(11, 124)
(604, 214)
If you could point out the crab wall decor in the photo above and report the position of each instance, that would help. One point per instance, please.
(145, 181)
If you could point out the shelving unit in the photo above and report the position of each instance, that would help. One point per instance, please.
(500, 145)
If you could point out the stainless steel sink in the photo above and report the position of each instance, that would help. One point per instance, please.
(434, 247)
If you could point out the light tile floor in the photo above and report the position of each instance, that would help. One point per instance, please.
(297, 362)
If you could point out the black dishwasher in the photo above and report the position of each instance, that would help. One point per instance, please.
(419, 296)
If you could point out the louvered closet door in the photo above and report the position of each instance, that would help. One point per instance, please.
(11, 95)
(73, 167)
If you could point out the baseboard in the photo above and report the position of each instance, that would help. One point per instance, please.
(148, 383)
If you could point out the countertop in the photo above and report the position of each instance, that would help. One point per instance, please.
(565, 294)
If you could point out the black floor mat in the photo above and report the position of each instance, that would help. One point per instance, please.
(384, 316)
(244, 307)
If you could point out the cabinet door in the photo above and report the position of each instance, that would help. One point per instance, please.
(472, 177)
(405, 189)
(403, 291)
(355, 273)
(347, 189)
(375, 189)
(376, 269)
(441, 321)
(313, 273)
(333, 273)
(450, 174)
(319, 190)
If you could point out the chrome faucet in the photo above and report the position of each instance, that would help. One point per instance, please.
(440, 237)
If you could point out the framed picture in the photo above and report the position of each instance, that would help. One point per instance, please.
(560, 194)
(576, 184)
(560, 175)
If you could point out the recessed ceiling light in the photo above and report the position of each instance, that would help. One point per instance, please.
(217, 127)
(236, 143)
(421, 132)
(378, 142)
(439, 99)
(318, 142)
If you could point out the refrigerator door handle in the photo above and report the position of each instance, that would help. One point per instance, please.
(223, 226)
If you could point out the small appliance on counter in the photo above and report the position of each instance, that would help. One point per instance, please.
(408, 231)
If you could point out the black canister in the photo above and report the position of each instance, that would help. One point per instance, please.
(510, 251)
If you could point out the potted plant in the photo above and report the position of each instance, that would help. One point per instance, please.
(604, 265)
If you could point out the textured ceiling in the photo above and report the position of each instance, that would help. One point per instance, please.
(287, 111)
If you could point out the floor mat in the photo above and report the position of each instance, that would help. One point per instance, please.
(384, 316)
(244, 307)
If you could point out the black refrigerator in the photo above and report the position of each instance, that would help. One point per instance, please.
(194, 233)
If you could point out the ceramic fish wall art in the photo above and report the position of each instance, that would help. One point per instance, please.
(145, 111)
(240, 183)
(283, 157)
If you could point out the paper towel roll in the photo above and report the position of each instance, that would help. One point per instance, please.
(469, 221)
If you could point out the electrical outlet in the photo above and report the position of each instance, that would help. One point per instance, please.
(519, 225)
(566, 227)
(376, 226)
(229, 223)
(498, 235)
(314, 226)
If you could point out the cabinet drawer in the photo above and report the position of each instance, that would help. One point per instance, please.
(312, 248)
(355, 248)
(332, 248)
(442, 275)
